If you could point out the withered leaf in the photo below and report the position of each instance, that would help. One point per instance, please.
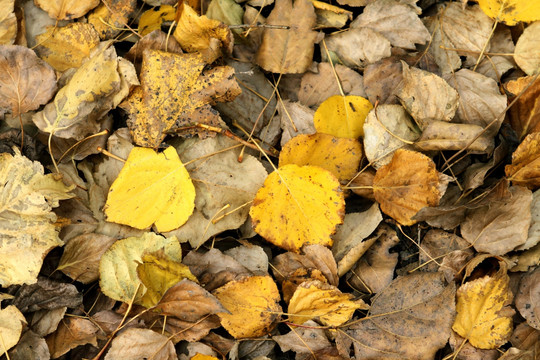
(528, 298)
(526, 52)
(525, 166)
(72, 332)
(115, 13)
(47, 294)
(525, 114)
(66, 9)
(303, 340)
(134, 344)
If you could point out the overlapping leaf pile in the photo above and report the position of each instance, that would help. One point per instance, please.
(280, 180)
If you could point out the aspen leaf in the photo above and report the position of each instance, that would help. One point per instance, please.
(527, 53)
(298, 205)
(118, 266)
(135, 344)
(253, 303)
(342, 116)
(11, 326)
(525, 114)
(151, 189)
(511, 12)
(66, 9)
(109, 18)
(483, 316)
(407, 184)
(525, 167)
(340, 156)
(323, 302)
(8, 22)
(199, 356)
(152, 19)
(71, 332)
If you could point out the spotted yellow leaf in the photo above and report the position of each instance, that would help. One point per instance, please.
(297, 206)
(152, 188)
(342, 116)
(511, 12)
(152, 19)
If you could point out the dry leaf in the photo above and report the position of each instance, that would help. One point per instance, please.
(8, 22)
(526, 163)
(356, 47)
(468, 351)
(68, 46)
(303, 340)
(528, 298)
(442, 135)
(330, 16)
(525, 114)
(496, 66)
(407, 184)
(525, 337)
(253, 303)
(72, 332)
(295, 119)
(387, 128)
(156, 40)
(47, 295)
(136, 344)
(66, 9)
(526, 53)
(438, 244)
(381, 79)
(45, 321)
(226, 11)
(362, 184)
(26, 82)
(11, 326)
(511, 12)
(426, 96)
(308, 197)
(483, 312)
(152, 19)
(340, 156)
(116, 13)
(252, 257)
(151, 189)
(118, 266)
(398, 22)
(322, 302)
(288, 51)
(30, 346)
(476, 173)
(342, 116)
(27, 230)
(412, 307)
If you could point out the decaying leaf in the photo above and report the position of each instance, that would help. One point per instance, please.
(442, 135)
(303, 340)
(134, 344)
(322, 302)
(26, 82)
(152, 19)
(71, 332)
(407, 184)
(511, 12)
(525, 165)
(154, 189)
(30, 346)
(47, 294)
(526, 53)
(295, 119)
(253, 303)
(116, 13)
(342, 116)
(27, 230)
(528, 298)
(483, 315)
(288, 50)
(525, 114)
(419, 305)
(533, 236)
(8, 22)
(308, 197)
(118, 266)
(66, 9)
(11, 326)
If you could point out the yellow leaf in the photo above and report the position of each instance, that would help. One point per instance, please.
(158, 272)
(66, 9)
(8, 22)
(118, 266)
(314, 299)
(199, 356)
(152, 19)
(482, 314)
(297, 206)
(525, 167)
(11, 326)
(340, 156)
(342, 116)
(511, 12)
(110, 18)
(253, 303)
(151, 189)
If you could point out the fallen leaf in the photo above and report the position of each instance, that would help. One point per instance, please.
(426, 96)
(483, 312)
(152, 19)
(526, 53)
(330, 16)
(116, 13)
(340, 156)
(303, 340)
(322, 302)
(381, 79)
(318, 86)
(525, 114)
(524, 336)
(72, 332)
(156, 40)
(66, 9)
(442, 135)
(295, 119)
(362, 184)
(533, 236)
(27, 230)
(399, 317)
(45, 321)
(511, 12)
(67, 47)
(342, 116)
(253, 303)
(290, 50)
(526, 163)
(8, 23)
(151, 189)
(528, 298)
(398, 22)
(135, 344)
(118, 266)
(468, 351)
(227, 11)
(184, 97)
(407, 184)
(26, 82)
(436, 245)
(30, 346)
(252, 257)
(47, 294)
(526, 260)
(476, 174)
(12, 322)
(199, 356)
(308, 197)
(496, 66)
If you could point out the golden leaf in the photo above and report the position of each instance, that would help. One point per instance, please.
(151, 189)
(152, 19)
(298, 205)
(511, 12)
(253, 303)
(340, 156)
(66, 9)
(525, 167)
(116, 13)
(342, 116)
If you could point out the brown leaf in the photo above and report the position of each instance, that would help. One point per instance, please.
(528, 298)
(469, 352)
(134, 344)
(45, 321)
(26, 82)
(362, 184)
(525, 114)
(526, 163)
(441, 135)
(47, 294)
(501, 225)
(8, 23)
(415, 306)
(476, 173)
(156, 40)
(437, 245)
(525, 337)
(72, 332)
(303, 340)
(30, 346)
(109, 19)
(450, 212)
(381, 79)
(295, 119)
(407, 184)
(288, 51)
